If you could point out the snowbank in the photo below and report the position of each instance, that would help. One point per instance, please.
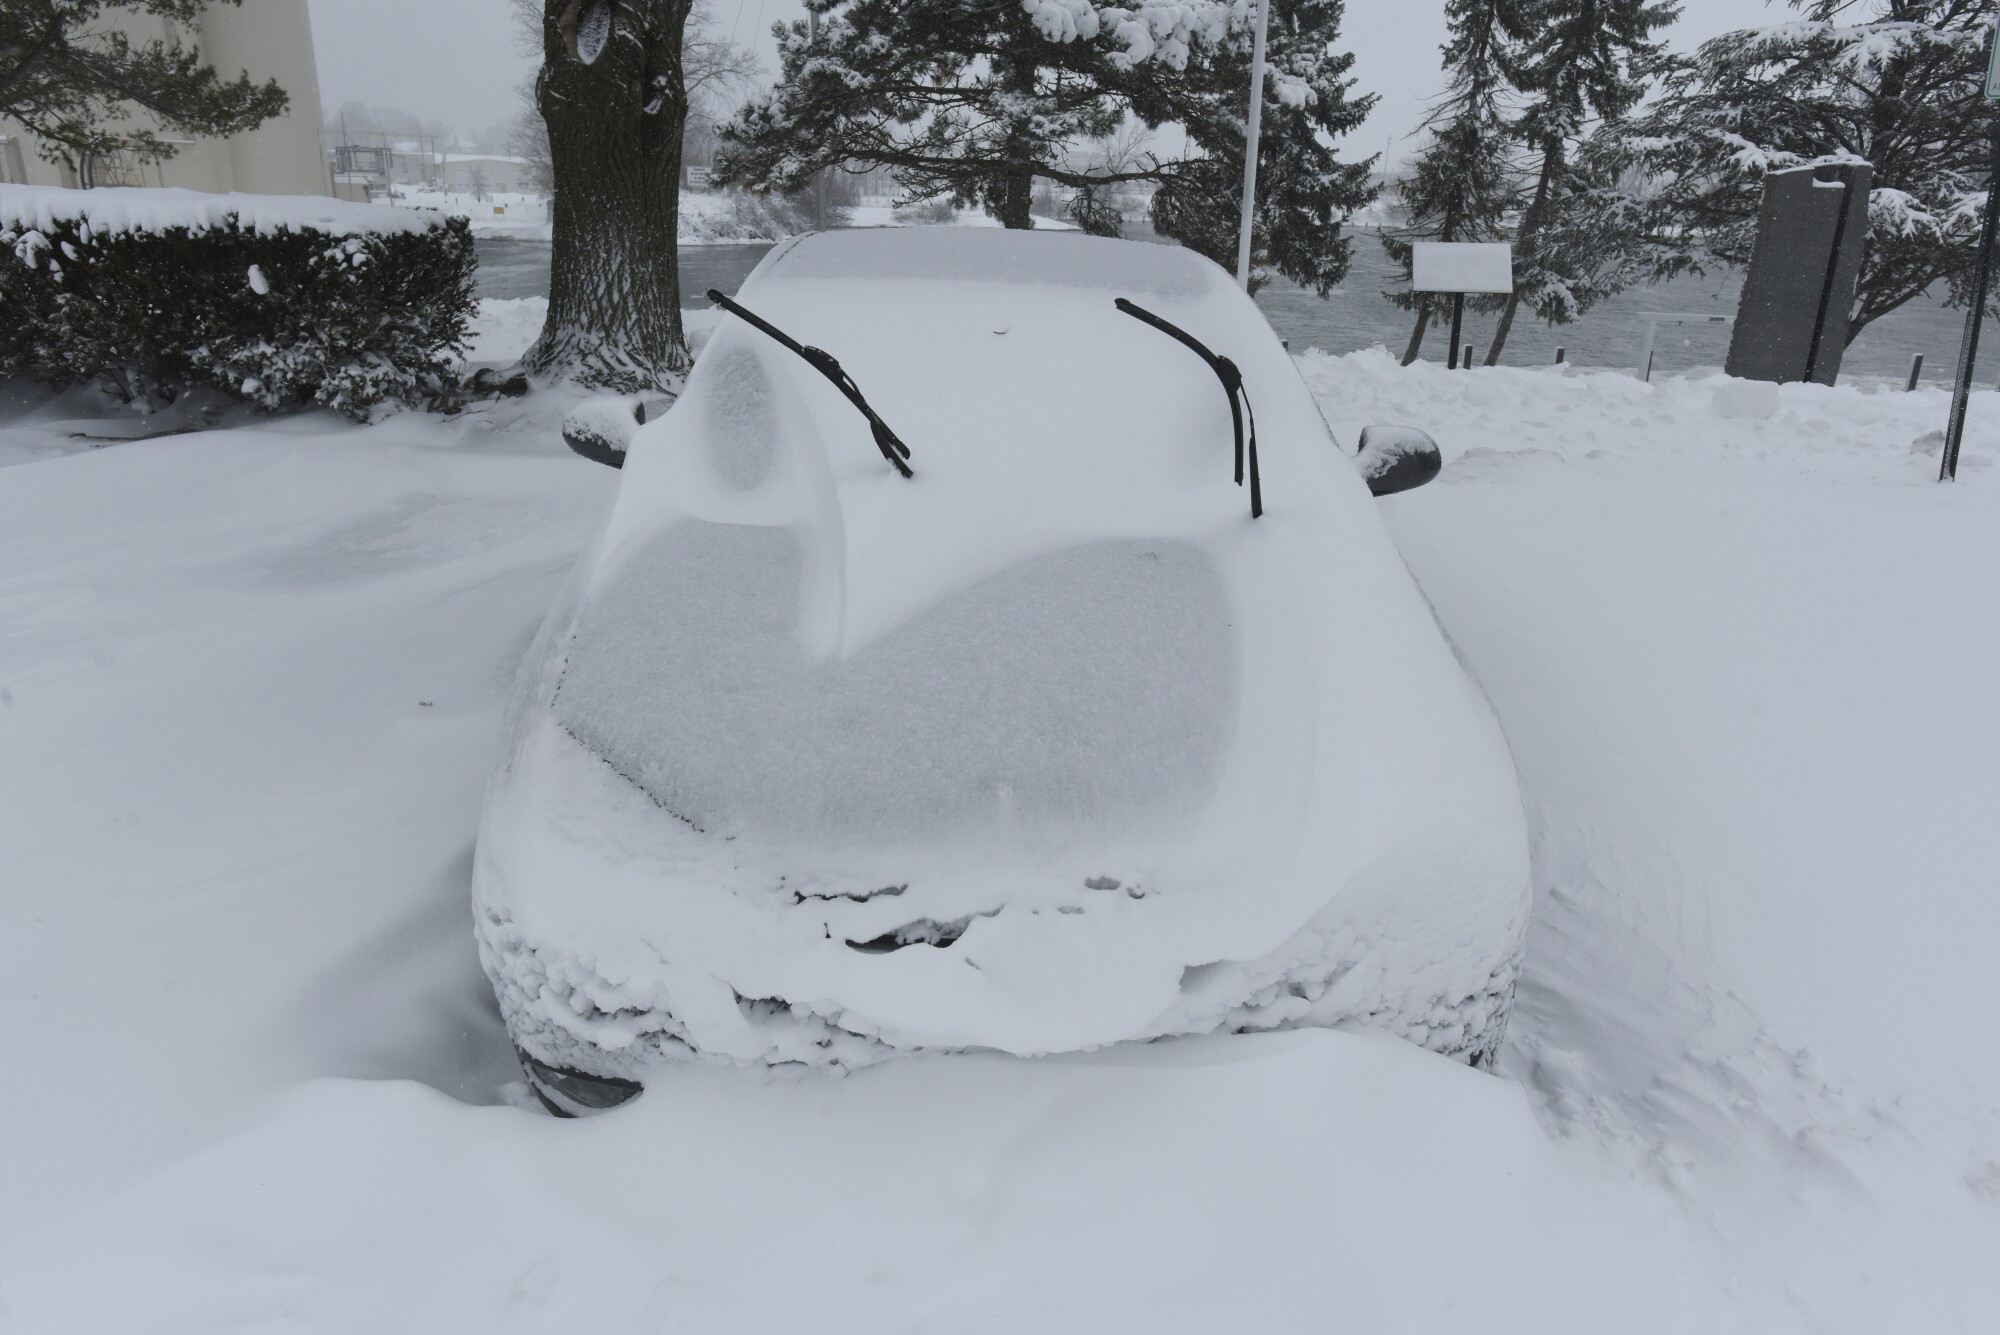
(123, 209)
(506, 328)
(1495, 420)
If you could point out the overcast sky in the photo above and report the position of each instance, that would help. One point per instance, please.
(456, 60)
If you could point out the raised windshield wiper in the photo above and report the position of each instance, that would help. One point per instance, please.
(894, 450)
(1232, 385)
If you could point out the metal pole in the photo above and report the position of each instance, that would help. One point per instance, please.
(1457, 318)
(1646, 353)
(819, 177)
(1250, 135)
(1968, 346)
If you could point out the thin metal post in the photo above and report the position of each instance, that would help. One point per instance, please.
(1916, 369)
(1560, 354)
(819, 177)
(1646, 353)
(1968, 346)
(1250, 136)
(1467, 363)
(1457, 318)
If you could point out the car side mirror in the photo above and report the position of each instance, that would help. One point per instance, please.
(1396, 458)
(601, 429)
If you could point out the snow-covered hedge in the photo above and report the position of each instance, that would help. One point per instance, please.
(281, 301)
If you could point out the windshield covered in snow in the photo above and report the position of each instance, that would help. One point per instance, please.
(1094, 684)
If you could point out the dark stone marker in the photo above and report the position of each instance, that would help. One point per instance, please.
(1791, 324)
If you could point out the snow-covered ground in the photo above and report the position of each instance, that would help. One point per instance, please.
(249, 686)
(507, 326)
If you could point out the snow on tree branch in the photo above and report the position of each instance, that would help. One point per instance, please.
(1860, 49)
(1155, 30)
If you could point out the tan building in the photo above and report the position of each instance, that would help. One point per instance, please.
(272, 39)
(476, 173)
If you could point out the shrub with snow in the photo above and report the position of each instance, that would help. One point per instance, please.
(741, 215)
(278, 301)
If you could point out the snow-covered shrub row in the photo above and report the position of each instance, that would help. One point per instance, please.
(278, 301)
(739, 215)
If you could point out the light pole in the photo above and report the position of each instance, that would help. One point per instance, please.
(1250, 146)
(819, 177)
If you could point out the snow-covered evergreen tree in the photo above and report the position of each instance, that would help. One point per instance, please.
(71, 73)
(1304, 190)
(1460, 185)
(1581, 61)
(1894, 83)
(978, 102)
(1599, 233)
(972, 102)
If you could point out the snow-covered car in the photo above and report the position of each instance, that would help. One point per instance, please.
(944, 689)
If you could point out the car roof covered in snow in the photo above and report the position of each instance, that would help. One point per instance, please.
(992, 255)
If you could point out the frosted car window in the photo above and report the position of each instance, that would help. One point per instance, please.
(1064, 259)
(1092, 687)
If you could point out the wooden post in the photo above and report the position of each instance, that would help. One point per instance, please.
(1916, 369)
(1457, 319)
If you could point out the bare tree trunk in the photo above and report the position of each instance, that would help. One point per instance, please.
(612, 92)
(1417, 334)
(1501, 330)
(1524, 245)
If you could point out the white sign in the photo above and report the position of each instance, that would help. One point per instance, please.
(1461, 266)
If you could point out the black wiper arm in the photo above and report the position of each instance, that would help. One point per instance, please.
(1232, 385)
(893, 449)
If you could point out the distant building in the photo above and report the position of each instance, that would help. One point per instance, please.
(473, 173)
(364, 170)
(272, 39)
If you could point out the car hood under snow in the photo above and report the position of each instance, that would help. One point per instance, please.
(1049, 746)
